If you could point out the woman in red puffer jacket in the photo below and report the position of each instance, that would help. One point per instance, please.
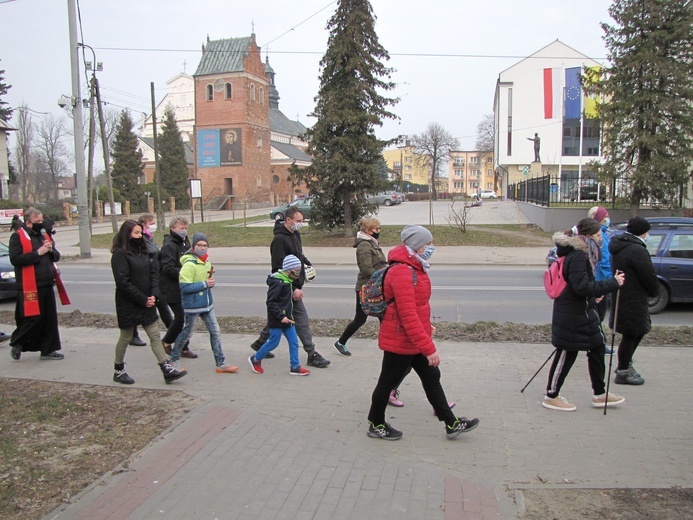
(405, 336)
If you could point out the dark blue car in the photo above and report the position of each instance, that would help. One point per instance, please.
(8, 282)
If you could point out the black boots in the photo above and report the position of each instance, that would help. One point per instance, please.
(120, 375)
(170, 372)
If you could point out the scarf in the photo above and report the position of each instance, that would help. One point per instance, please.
(29, 289)
(594, 252)
(366, 236)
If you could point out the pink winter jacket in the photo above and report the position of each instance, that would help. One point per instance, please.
(406, 326)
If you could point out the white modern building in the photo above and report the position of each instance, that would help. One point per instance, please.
(541, 97)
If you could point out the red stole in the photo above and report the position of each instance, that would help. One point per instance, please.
(31, 304)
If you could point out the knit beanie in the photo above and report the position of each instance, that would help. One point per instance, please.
(291, 263)
(588, 226)
(638, 226)
(416, 237)
(600, 214)
(197, 237)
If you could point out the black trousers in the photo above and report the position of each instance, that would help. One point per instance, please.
(359, 319)
(626, 349)
(176, 326)
(562, 363)
(37, 333)
(393, 370)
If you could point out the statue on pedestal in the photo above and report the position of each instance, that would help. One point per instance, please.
(537, 143)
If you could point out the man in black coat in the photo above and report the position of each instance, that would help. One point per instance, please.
(287, 241)
(629, 254)
(175, 245)
(36, 314)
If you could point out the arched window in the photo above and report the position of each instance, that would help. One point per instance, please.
(210, 93)
(229, 91)
(262, 96)
(252, 92)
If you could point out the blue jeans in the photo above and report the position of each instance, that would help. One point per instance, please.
(275, 336)
(210, 321)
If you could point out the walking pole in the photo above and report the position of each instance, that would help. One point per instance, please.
(611, 356)
(537, 372)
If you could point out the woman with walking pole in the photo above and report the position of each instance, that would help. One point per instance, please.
(575, 324)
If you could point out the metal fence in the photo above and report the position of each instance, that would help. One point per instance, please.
(554, 190)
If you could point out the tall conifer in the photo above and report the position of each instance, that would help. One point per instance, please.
(172, 166)
(648, 94)
(127, 161)
(349, 106)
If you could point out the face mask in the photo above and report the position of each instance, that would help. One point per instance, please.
(293, 275)
(428, 252)
(608, 222)
(297, 226)
(37, 226)
(137, 242)
(645, 238)
(376, 235)
(152, 228)
(182, 234)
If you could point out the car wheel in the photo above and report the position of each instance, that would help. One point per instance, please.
(388, 202)
(659, 302)
(278, 217)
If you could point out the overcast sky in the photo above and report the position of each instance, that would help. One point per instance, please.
(447, 54)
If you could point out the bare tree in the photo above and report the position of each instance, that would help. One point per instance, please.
(24, 137)
(39, 173)
(49, 141)
(485, 142)
(432, 148)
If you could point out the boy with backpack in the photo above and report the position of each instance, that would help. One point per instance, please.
(280, 318)
(196, 284)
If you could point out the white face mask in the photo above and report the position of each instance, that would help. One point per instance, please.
(297, 226)
(152, 228)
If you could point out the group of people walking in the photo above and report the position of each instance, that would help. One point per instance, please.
(596, 268)
(177, 281)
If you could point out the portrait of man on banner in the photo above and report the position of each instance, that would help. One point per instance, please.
(230, 146)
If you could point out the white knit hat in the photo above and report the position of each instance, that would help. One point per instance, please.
(291, 263)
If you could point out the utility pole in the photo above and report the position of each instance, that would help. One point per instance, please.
(160, 217)
(90, 160)
(104, 144)
(82, 205)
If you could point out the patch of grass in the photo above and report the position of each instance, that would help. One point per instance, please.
(234, 234)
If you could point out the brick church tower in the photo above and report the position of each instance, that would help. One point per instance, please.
(232, 123)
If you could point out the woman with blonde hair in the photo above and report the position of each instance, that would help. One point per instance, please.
(370, 258)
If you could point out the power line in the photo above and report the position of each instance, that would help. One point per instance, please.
(299, 24)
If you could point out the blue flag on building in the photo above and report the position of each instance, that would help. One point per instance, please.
(573, 93)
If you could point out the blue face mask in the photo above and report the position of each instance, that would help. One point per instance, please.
(608, 222)
(428, 252)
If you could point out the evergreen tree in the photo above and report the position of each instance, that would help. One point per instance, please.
(172, 165)
(5, 112)
(349, 106)
(648, 91)
(127, 161)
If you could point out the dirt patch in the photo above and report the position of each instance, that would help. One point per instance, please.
(58, 438)
(608, 504)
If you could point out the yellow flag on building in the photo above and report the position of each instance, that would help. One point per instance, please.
(592, 76)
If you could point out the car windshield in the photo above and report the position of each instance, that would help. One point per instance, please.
(4, 250)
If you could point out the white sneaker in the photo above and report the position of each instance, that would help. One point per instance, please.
(598, 400)
(558, 403)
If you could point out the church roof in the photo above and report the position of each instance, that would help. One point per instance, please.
(291, 151)
(281, 124)
(189, 155)
(221, 56)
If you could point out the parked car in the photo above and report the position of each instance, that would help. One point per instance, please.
(303, 205)
(488, 194)
(8, 282)
(671, 247)
(588, 192)
(384, 199)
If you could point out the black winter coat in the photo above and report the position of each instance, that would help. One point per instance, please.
(575, 324)
(136, 279)
(279, 302)
(629, 254)
(169, 266)
(287, 243)
(43, 264)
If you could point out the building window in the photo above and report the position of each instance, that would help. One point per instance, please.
(407, 177)
(474, 160)
(229, 91)
(489, 173)
(458, 173)
(489, 159)
(262, 96)
(259, 143)
(407, 167)
(476, 173)
(252, 92)
(210, 93)
(397, 165)
(489, 185)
